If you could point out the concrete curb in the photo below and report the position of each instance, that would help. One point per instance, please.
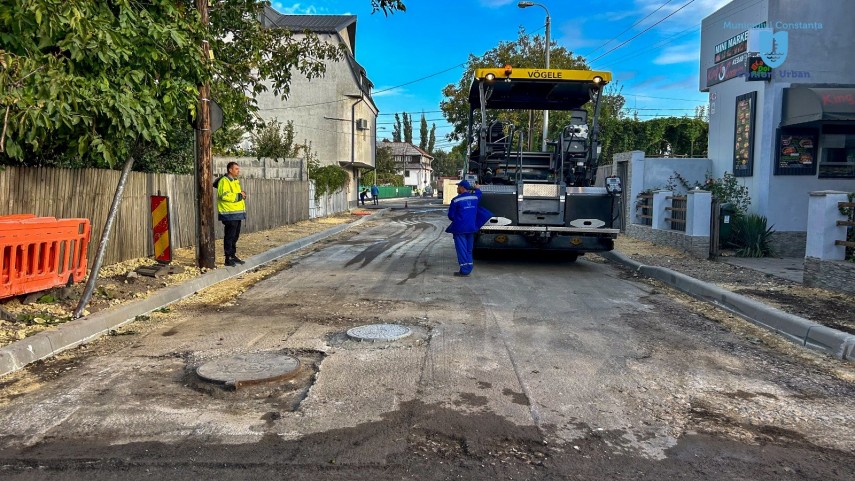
(66, 336)
(793, 328)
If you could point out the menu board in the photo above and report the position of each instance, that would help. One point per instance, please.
(743, 144)
(796, 152)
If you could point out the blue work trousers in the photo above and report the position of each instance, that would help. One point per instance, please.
(463, 244)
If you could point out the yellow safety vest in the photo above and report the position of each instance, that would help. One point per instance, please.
(230, 201)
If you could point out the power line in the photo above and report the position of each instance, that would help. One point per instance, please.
(630, 27)
(645, 30)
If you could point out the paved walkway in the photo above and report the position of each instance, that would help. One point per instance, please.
(789, 268)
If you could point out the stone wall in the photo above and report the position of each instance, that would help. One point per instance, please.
(832, 275)
(696, 246)
(789, 244)
(253, 168)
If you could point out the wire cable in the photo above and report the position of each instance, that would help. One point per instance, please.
(645, 30)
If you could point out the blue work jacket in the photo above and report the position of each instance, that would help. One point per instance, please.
(465, 215)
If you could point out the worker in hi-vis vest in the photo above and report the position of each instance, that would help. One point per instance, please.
(231, 205)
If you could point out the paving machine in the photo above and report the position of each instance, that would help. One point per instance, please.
(541, 200)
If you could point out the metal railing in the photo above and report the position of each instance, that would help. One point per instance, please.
(679, 206)
(645, 205)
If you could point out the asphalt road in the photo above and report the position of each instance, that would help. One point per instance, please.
(530, 369)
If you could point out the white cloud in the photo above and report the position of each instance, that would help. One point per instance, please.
(398, 92)
(295, 9)
(678, 54)
(496, 3)
(571, 36)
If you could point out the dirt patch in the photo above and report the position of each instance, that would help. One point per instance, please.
(819, 305)
(432, 442)
(832, 310)
(27, 315)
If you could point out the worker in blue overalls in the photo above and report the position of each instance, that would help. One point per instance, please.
(466, 218)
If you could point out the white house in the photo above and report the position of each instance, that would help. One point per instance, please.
(334, 112)
(413, 163)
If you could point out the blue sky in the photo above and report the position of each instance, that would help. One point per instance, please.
(434, 35)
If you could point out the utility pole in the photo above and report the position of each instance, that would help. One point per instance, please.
(204, 161)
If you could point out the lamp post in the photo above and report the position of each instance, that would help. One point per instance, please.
(548, 48)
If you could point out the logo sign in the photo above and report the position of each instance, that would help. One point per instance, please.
(726, 70)
(773, 46)
(758, 70)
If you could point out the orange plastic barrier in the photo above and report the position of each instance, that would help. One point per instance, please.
(38, 253)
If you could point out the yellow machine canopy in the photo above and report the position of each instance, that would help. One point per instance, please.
(535, 89)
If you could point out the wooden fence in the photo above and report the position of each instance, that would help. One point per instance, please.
(87, 193)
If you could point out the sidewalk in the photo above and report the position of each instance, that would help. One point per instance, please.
(788, 268)
(118, 284)
(770, 281)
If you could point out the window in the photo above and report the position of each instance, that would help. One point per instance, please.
(838, 152)
(406, 173)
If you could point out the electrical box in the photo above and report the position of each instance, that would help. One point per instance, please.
(362, 124)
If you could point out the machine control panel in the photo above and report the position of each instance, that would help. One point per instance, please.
(613, 185)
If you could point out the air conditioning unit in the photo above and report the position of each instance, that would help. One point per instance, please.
(362, 124)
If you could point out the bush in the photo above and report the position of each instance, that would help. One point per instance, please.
(728, 191)
(751, 237)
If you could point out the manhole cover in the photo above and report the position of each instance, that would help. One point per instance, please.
(253, 368)
(379, 332)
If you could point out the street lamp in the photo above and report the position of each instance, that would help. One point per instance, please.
(548, 45)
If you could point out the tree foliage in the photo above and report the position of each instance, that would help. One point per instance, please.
(446, 165)
(275, 141)
(397, 130)
(527, 51)
(386, 169)
(423, 133)
(85, 81)
(95, 77)
(431, 145)
(408, 128)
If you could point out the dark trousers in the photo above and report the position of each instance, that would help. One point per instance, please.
(463, 244)
(376, 199)
(232, 233)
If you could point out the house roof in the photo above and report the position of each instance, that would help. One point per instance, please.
(312, 23)
(404, 148)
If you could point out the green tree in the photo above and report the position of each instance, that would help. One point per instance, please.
(423, 133)
(525, 52)
(397, 130)
(445, 164)
(387, 170)
(275, 141)
(94, 79)
(432, 139)
(408, 128)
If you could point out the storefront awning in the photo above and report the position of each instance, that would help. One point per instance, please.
(358, 165)
(804, 105)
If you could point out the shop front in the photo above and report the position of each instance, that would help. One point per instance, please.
(781, 82)
(817, 132)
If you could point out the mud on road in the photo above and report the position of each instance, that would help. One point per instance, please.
(529, 370)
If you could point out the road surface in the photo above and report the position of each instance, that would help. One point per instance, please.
(530, 369)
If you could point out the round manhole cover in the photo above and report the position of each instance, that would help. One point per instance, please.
(379, 332)
(250, 368)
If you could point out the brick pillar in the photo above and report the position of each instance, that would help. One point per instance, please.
(822, 229)
(698, 213)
